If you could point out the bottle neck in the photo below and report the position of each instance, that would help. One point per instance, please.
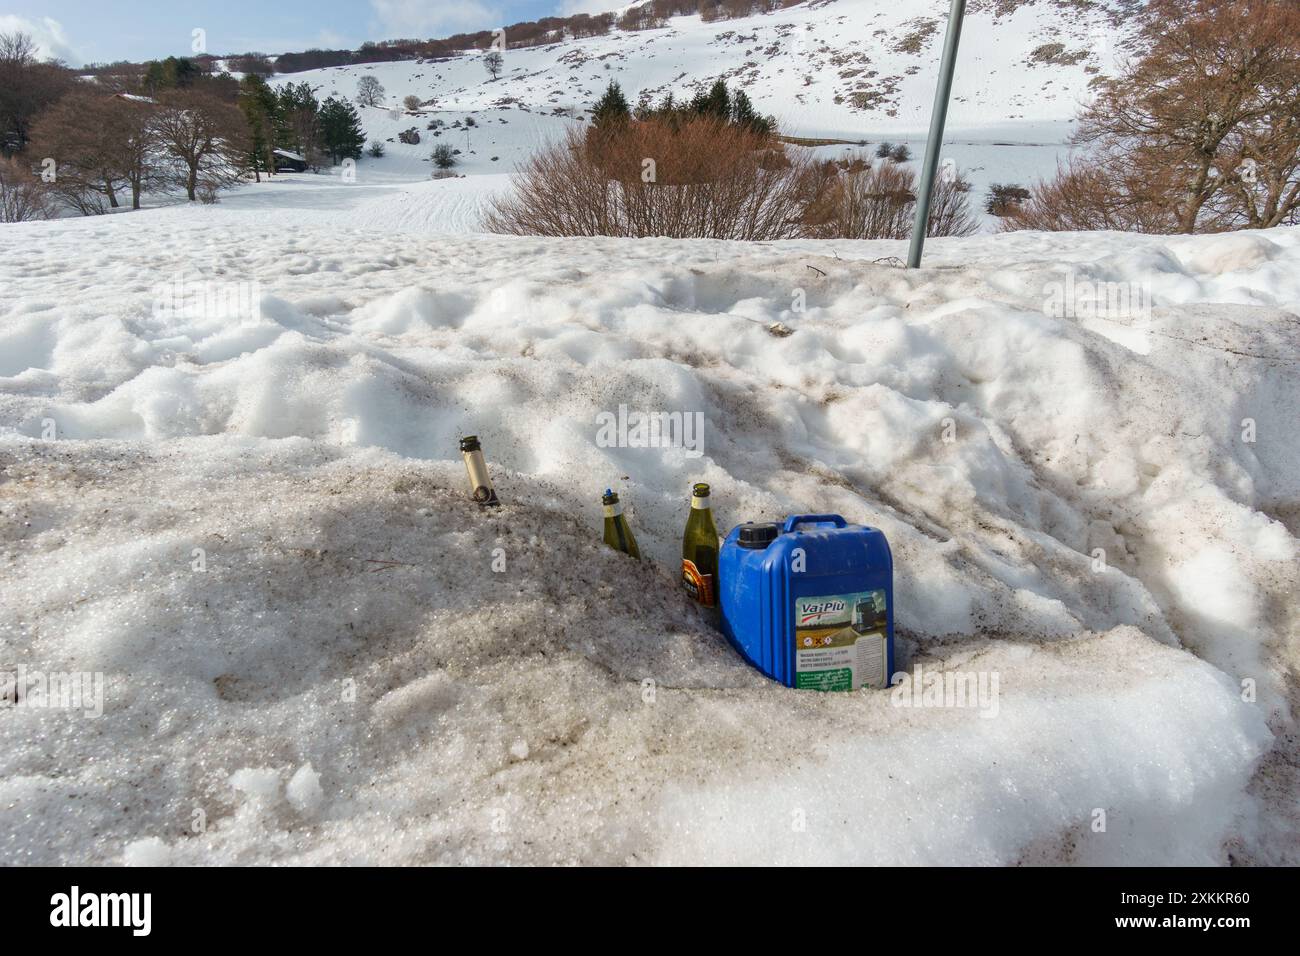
(700, 504)
(612, 511)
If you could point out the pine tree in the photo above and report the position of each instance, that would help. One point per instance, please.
(744, 115)
(611, 110)
(717, 102)
(173, 73)
(258, 103)
(297, 120)
(341, 132)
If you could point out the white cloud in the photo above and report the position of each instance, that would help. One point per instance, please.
(423, 20)
(48, 34)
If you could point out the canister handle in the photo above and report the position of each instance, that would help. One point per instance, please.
(795, 520)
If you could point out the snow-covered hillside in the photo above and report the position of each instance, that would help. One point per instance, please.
(849, 70)
(252, 520)
(825, 68)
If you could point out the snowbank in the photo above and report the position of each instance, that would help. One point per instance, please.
(249, 516)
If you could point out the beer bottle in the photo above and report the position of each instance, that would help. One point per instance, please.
(617, 533)
(479, 482)
(700, 550)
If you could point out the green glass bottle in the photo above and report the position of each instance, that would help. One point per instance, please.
(700, 550)
(617, 533)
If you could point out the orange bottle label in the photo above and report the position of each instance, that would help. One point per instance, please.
(698, 586)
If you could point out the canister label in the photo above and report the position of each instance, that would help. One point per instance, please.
(839, 641)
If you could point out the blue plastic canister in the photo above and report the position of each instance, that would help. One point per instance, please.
(810, 602)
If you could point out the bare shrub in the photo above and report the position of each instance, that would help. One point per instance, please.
(1083, 198)
(702, 178)
(950, 211)
(871, 203)
(879, 202)
(23, 197)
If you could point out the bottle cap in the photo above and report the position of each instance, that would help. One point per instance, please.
(610, 498)
(469, 443)
(700, 490)
(757, 535)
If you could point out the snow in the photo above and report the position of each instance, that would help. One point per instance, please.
(248, 512)
(230, 487)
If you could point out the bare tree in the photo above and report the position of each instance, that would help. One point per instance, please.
(27, 88)
(370, 92)
(134, 144)
(1201, 133)
(84, 144)
(493, 62)
(204, 139)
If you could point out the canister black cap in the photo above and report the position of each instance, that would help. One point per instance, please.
(757, 535)
(469, 443)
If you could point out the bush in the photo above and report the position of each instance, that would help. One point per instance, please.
(1087, 198)
(376, 149)
(1003, 199)
(884, 149)
(411, 102)
(700, 178)
(879, 202)
(23, 197)
(900, 153)
(443, 156)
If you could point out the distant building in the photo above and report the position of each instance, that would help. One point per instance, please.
(289, 162)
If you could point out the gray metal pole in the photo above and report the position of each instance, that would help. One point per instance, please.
(935, 142)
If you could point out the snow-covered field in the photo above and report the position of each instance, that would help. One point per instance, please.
(232, 506)
(250, 519)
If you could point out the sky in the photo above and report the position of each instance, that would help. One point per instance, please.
(96, 31)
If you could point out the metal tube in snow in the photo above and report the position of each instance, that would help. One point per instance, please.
(932, 145)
